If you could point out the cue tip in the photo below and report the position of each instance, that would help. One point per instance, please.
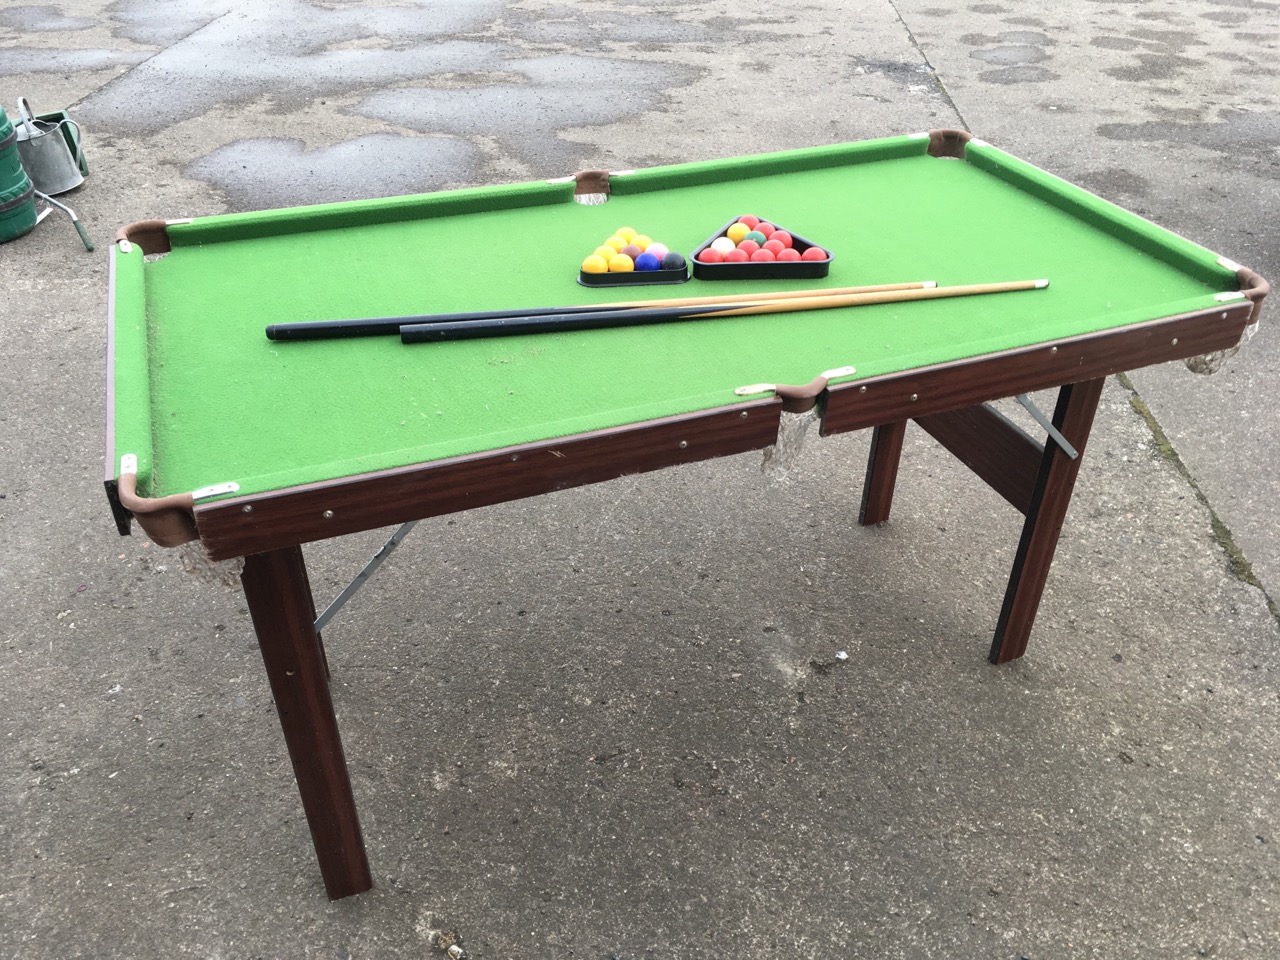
(1041, 284)
(928, 284)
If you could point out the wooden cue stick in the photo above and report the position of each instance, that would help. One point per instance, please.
(382, 326)
(510, 326)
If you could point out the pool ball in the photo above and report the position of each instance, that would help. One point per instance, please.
(631, 250)
(757, 236)
(782, 237)
(641, 241)
(748, 246)
(737, 231)
(763, 256)
(672, 261)
(616, 243)
(788, 254)
(647, 261)
(595, 264)
(659, 250)
(774, 246)
(749, 220)
(710, 255)
(737, 255)
(814, 253)
(621, 263)
(723, 244)
(626, 233)
(606, 252)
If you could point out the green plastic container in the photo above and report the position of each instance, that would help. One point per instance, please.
(17, 195)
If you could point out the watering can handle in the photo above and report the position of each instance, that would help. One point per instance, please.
(28, 117)
(79, 158)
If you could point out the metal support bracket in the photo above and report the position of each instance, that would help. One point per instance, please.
(350, 591)
(1045, 422)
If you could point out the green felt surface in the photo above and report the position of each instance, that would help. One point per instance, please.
(222, 403)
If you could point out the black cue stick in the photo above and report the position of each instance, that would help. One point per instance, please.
(505, 326)
(384, 326)
(509, 326)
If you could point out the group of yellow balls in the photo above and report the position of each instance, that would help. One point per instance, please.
(626, 251)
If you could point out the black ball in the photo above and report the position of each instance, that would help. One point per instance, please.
(673, 261)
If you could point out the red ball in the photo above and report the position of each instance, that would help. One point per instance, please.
(763, 256)
(814, 253)
(710, 255)
(737, 256)
(749, 246)
(774, 245)
(766, 228)
(749, 220)
(788, 253)
(782, 237)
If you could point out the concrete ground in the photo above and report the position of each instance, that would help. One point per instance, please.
(611, 722)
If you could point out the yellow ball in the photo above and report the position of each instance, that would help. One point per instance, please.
(615, 242)
(641, 241)
(621, 263)
(737, 231)
(626, 233)
(605, 252)
(595, 264)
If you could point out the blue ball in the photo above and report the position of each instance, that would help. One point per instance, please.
(647, 261)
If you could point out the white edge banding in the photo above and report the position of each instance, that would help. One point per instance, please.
(110, 436)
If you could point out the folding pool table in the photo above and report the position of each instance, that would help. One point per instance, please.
(254, 446)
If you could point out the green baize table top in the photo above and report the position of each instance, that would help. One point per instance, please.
(202, 397)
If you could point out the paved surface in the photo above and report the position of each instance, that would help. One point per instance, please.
(611, 723)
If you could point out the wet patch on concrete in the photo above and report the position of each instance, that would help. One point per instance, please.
(1010, 55)
(175, 85)
(1018, 75)
(1115, 43)
(740, 30)
(1016, 52)
(1016, 37)
(530, 112)
(1246, 4)
(164, 25)
(1225, 17)
(19, 60)
(1170, 39)
(456, 69)
(906, 74)
(249, 48)
(1242, 136)
(42, 19)
(1151, 66)
(267, 172)
(1114, 183)
(571, 28)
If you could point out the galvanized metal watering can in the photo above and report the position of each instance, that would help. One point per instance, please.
(46, 153)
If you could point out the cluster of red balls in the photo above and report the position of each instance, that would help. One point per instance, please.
(751, 239)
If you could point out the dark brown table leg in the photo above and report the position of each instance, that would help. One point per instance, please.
(882, 472)
(275, 584)
(1050, 498)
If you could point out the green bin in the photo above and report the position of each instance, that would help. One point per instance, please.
(17, 195)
